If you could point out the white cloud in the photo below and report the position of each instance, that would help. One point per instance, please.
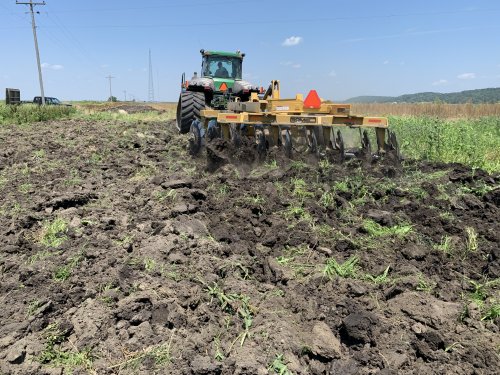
(440, 82)
(53, 67)
(467, 76)
(292, 41)
(291, 64)
(333, 73)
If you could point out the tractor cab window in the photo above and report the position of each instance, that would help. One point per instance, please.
(222, 67)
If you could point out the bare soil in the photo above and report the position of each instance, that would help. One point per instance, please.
(165, 263)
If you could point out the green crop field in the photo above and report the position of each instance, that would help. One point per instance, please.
(473, 142)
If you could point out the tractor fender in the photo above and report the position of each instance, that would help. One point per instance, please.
(201, 83)
(240, 86)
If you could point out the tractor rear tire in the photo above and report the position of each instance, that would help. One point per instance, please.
(188, 109)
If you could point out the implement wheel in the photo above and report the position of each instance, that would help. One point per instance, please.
(188, 109)
(288, 144)
(195, 142)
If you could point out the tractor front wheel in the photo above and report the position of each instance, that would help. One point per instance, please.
(188, 109)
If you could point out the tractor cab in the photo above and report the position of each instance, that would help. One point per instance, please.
(219, 66)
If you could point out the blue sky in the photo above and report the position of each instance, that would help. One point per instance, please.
(340, 48)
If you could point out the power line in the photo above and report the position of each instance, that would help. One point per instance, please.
(31, 5)
(110, 91)
(165, 6)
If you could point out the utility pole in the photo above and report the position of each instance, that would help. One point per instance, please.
(151, 88)
(110, 91)
(33, 25)
(125, 93)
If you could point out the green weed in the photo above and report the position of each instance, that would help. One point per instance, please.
(271, 164)
(278, 366)
(327, 199)
(54, 356)
(219, 354)
(38, 155)
(41, 255)
(446, 245)
(471, 241)
(482, 297)
(170, 195)
(160, 356)
(324, 164)
(64, 272)
(149, 264)
(299, 189)
(73, 179)
(298, 165)
(25, 188)
(492, 313)
(376, 230)
(33, 306)
(347, 269)
(144, 172)
(53, 234)
(233, 303)
(423, 285)
(380, 279)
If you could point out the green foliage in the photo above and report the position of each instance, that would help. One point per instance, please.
(485, 296)
(446, 245)
(33, 306)
(474, 142)
(54, 356)
(296, 258)
(53, 233)
(299, 189)
(170, 195)
(234, 304)
(347, 269)
(159, 355)
(424, 285)
(471, 242)
(31, 113)
(376, 230)
(278, 366)
(380, 279)
(64, 272)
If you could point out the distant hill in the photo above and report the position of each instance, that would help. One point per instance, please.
(491, 95)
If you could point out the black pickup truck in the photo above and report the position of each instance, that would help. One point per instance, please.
(49, 101)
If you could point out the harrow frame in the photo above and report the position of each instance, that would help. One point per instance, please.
(274, 121)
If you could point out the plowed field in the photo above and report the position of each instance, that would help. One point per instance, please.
(121, 254)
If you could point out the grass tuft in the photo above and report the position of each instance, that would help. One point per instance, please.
(347, 269)
(53, 233)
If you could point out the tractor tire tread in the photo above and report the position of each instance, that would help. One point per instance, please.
(188, 109)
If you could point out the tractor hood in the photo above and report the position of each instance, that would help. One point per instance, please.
(214, 84)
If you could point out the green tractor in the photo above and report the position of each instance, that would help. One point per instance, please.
(220, 82)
